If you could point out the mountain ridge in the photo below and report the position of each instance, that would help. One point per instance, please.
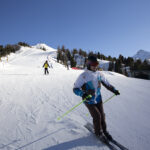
(142, 55)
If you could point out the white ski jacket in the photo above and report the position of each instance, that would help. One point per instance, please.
(90, 80)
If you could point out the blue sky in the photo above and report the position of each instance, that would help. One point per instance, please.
(111, 27)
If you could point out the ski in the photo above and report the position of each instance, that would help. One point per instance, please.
(90, 126)
(106, 142)
(118, 144)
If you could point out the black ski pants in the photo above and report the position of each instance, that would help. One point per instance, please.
(46, 71)
(98, 115)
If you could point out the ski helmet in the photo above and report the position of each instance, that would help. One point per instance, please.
(92, 61)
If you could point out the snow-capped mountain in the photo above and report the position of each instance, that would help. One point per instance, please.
(142, 54)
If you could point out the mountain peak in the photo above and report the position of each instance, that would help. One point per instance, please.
(142, 54)
(43, 46)
(141, 51)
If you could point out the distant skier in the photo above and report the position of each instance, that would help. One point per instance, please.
(46, 66)
(68, 64)
(89, 83)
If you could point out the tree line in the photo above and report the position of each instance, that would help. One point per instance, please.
(120, 65)
(11, 48)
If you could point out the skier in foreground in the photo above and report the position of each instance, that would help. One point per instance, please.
(89, 83)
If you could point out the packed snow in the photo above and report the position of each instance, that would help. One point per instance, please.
(31, 102)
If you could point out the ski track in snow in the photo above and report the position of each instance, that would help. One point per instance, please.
(30, 103)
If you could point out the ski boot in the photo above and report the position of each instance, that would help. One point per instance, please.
(107, 135)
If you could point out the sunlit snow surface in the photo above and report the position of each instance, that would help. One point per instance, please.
(30, 103)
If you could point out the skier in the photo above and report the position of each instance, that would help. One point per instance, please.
(68, 64)
(46, 65)
(89, 83)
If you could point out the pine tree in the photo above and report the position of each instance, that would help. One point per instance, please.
(68, 54)
(23, 44)
(58, 54)
(91, 53)
(75, 51)
(110, 66)
(1, 50)
(118, 66)
(137, 65)
(98, 55)
(72, 61)
(63, 48)
(121, 58)
(145, 66)
(109, 58)
(129, 62)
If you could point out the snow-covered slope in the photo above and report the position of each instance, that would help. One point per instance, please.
(30, 103)
(142, 54)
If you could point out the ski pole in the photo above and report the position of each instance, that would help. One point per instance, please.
(89, 96)
(109, 98)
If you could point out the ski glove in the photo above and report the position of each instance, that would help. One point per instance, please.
(116, 92)
(89, 92)
(86, 95)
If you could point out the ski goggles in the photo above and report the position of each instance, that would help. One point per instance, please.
(94, 64)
